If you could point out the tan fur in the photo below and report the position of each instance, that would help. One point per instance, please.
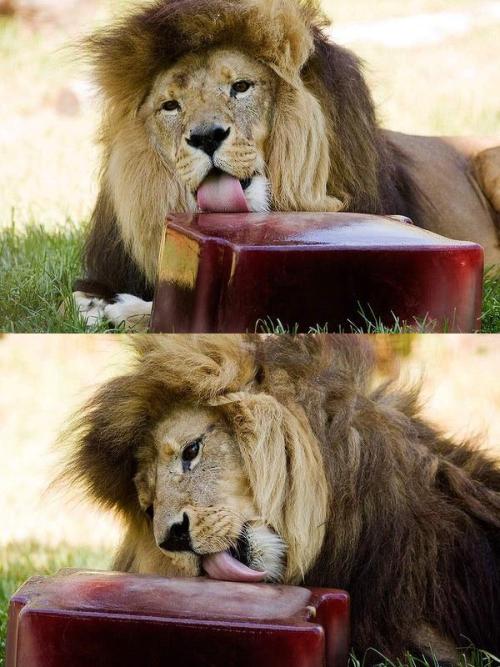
(487, 168)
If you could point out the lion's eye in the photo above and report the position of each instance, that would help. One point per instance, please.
(240, 87)
(171, 105)
(150, 512)
(192, 450)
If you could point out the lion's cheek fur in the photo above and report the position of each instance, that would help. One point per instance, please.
(297, 153)
(213, 529)
(144, 188)
(283, 462)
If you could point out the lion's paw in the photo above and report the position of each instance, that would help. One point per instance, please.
(129, 310)
(90, 308)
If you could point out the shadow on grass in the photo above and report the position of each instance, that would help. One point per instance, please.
(468, 657)
(22, 560)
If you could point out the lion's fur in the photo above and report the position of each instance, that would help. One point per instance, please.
(366, 495)
(320, 93)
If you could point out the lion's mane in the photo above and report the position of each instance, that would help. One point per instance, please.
(367, 496)
(323, 110)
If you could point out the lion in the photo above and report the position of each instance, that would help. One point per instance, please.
(245, 105)
(276, 458)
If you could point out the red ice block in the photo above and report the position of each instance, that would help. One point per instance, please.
(225, 272)
(81, 618)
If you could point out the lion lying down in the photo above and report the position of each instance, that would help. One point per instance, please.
(271, 458)
(246, 106)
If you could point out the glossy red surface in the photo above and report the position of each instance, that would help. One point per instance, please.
(225, 272)
(83, 618)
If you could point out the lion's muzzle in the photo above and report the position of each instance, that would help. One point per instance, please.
(208, 139)
(178, 538)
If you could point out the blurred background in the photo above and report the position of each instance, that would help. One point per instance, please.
(432, 66)
(45, 378)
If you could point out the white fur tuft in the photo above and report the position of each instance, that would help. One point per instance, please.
(90, 308)
(266, 551)
(258, 195)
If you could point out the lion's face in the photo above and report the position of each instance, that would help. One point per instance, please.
(193, 487)
(209, 115)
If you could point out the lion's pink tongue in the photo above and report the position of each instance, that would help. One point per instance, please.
(221, 193)
(226, 568)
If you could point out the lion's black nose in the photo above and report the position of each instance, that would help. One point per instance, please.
(208, 139)
(178, 538)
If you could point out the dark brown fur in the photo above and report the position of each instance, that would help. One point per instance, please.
(367, 172)
(414, 518)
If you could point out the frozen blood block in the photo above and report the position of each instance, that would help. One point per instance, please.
(230, 272)
(80, 618)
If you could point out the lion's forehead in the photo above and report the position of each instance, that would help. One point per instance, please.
(211, 69)
(182, 425)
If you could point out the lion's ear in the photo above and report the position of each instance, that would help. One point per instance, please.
(286, 474)
(282, 31)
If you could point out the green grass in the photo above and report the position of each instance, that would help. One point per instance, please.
(37, 271)
(20, 561)
(469, 657)
(491, 304)
(38, 267)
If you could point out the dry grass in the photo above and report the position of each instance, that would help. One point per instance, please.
(47, 377)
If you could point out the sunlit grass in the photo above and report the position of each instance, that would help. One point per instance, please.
(443, 89)
(368, 10)
(37, 270)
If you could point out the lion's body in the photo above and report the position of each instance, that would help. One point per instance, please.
(307, 130)
(301, 454)
(460, 177)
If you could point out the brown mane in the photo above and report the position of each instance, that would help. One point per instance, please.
(414, 529)
(413, 518)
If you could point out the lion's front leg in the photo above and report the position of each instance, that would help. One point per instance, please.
(90, 308)
(331, 205)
